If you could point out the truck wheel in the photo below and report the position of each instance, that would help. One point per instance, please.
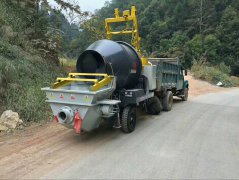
(168, 101)
(154, 105)
(128, 122)
(185, 94)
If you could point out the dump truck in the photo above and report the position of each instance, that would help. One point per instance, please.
(112, 79)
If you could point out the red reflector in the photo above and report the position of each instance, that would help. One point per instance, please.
(77, 123)
(56, 118)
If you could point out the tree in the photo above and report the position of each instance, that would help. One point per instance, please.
(227, 33)
(189, 29)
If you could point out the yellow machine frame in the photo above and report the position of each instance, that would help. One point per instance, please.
(127, 17)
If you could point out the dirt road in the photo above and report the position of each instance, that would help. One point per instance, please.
(197, 139)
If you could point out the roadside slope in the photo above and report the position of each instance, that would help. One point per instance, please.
(198, 87)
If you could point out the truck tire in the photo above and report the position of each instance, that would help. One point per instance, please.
(128, 121)
(154, 105)
(168, 101)
(185, 94)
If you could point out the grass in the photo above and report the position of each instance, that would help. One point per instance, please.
(22, 75)
(23, 72)
(213, 74)
(67, 62)
(69, 65)
(236, 80)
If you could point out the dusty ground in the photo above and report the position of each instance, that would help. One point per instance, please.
(198, 87)
(35, 151)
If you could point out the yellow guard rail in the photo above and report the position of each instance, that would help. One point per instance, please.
(75, 77)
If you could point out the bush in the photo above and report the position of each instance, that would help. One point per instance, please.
(236, 80)
(212, 74)
(23, 71)
(22, 76)
(224, 68)
(65, 62)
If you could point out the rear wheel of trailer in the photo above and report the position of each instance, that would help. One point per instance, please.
(154, 105)
(168, 101)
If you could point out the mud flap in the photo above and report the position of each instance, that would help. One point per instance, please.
(77, 123)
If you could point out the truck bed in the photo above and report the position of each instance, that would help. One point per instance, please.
(168, 73)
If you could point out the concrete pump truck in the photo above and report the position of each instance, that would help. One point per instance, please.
(112, 79)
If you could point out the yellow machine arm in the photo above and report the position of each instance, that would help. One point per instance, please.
(127, 17)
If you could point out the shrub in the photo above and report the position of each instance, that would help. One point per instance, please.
(224, 68)
(213, 74)
(67, 62)
(23, 71)
(21, 77)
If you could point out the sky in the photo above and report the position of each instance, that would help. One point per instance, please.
(86, 5)
(91, 5)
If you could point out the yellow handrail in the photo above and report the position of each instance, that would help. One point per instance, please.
(97, 84)
(87, 74)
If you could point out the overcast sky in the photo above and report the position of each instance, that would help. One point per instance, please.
(86, 5)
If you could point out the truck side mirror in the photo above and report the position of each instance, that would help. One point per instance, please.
(185, 72)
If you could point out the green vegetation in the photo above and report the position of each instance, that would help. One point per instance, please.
(213, 74)
(28, 59)
(189, 29)
(66, 62)
(21, 77)
(235, 80)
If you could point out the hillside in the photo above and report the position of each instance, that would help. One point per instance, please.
(190, 29)
(26, 64)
